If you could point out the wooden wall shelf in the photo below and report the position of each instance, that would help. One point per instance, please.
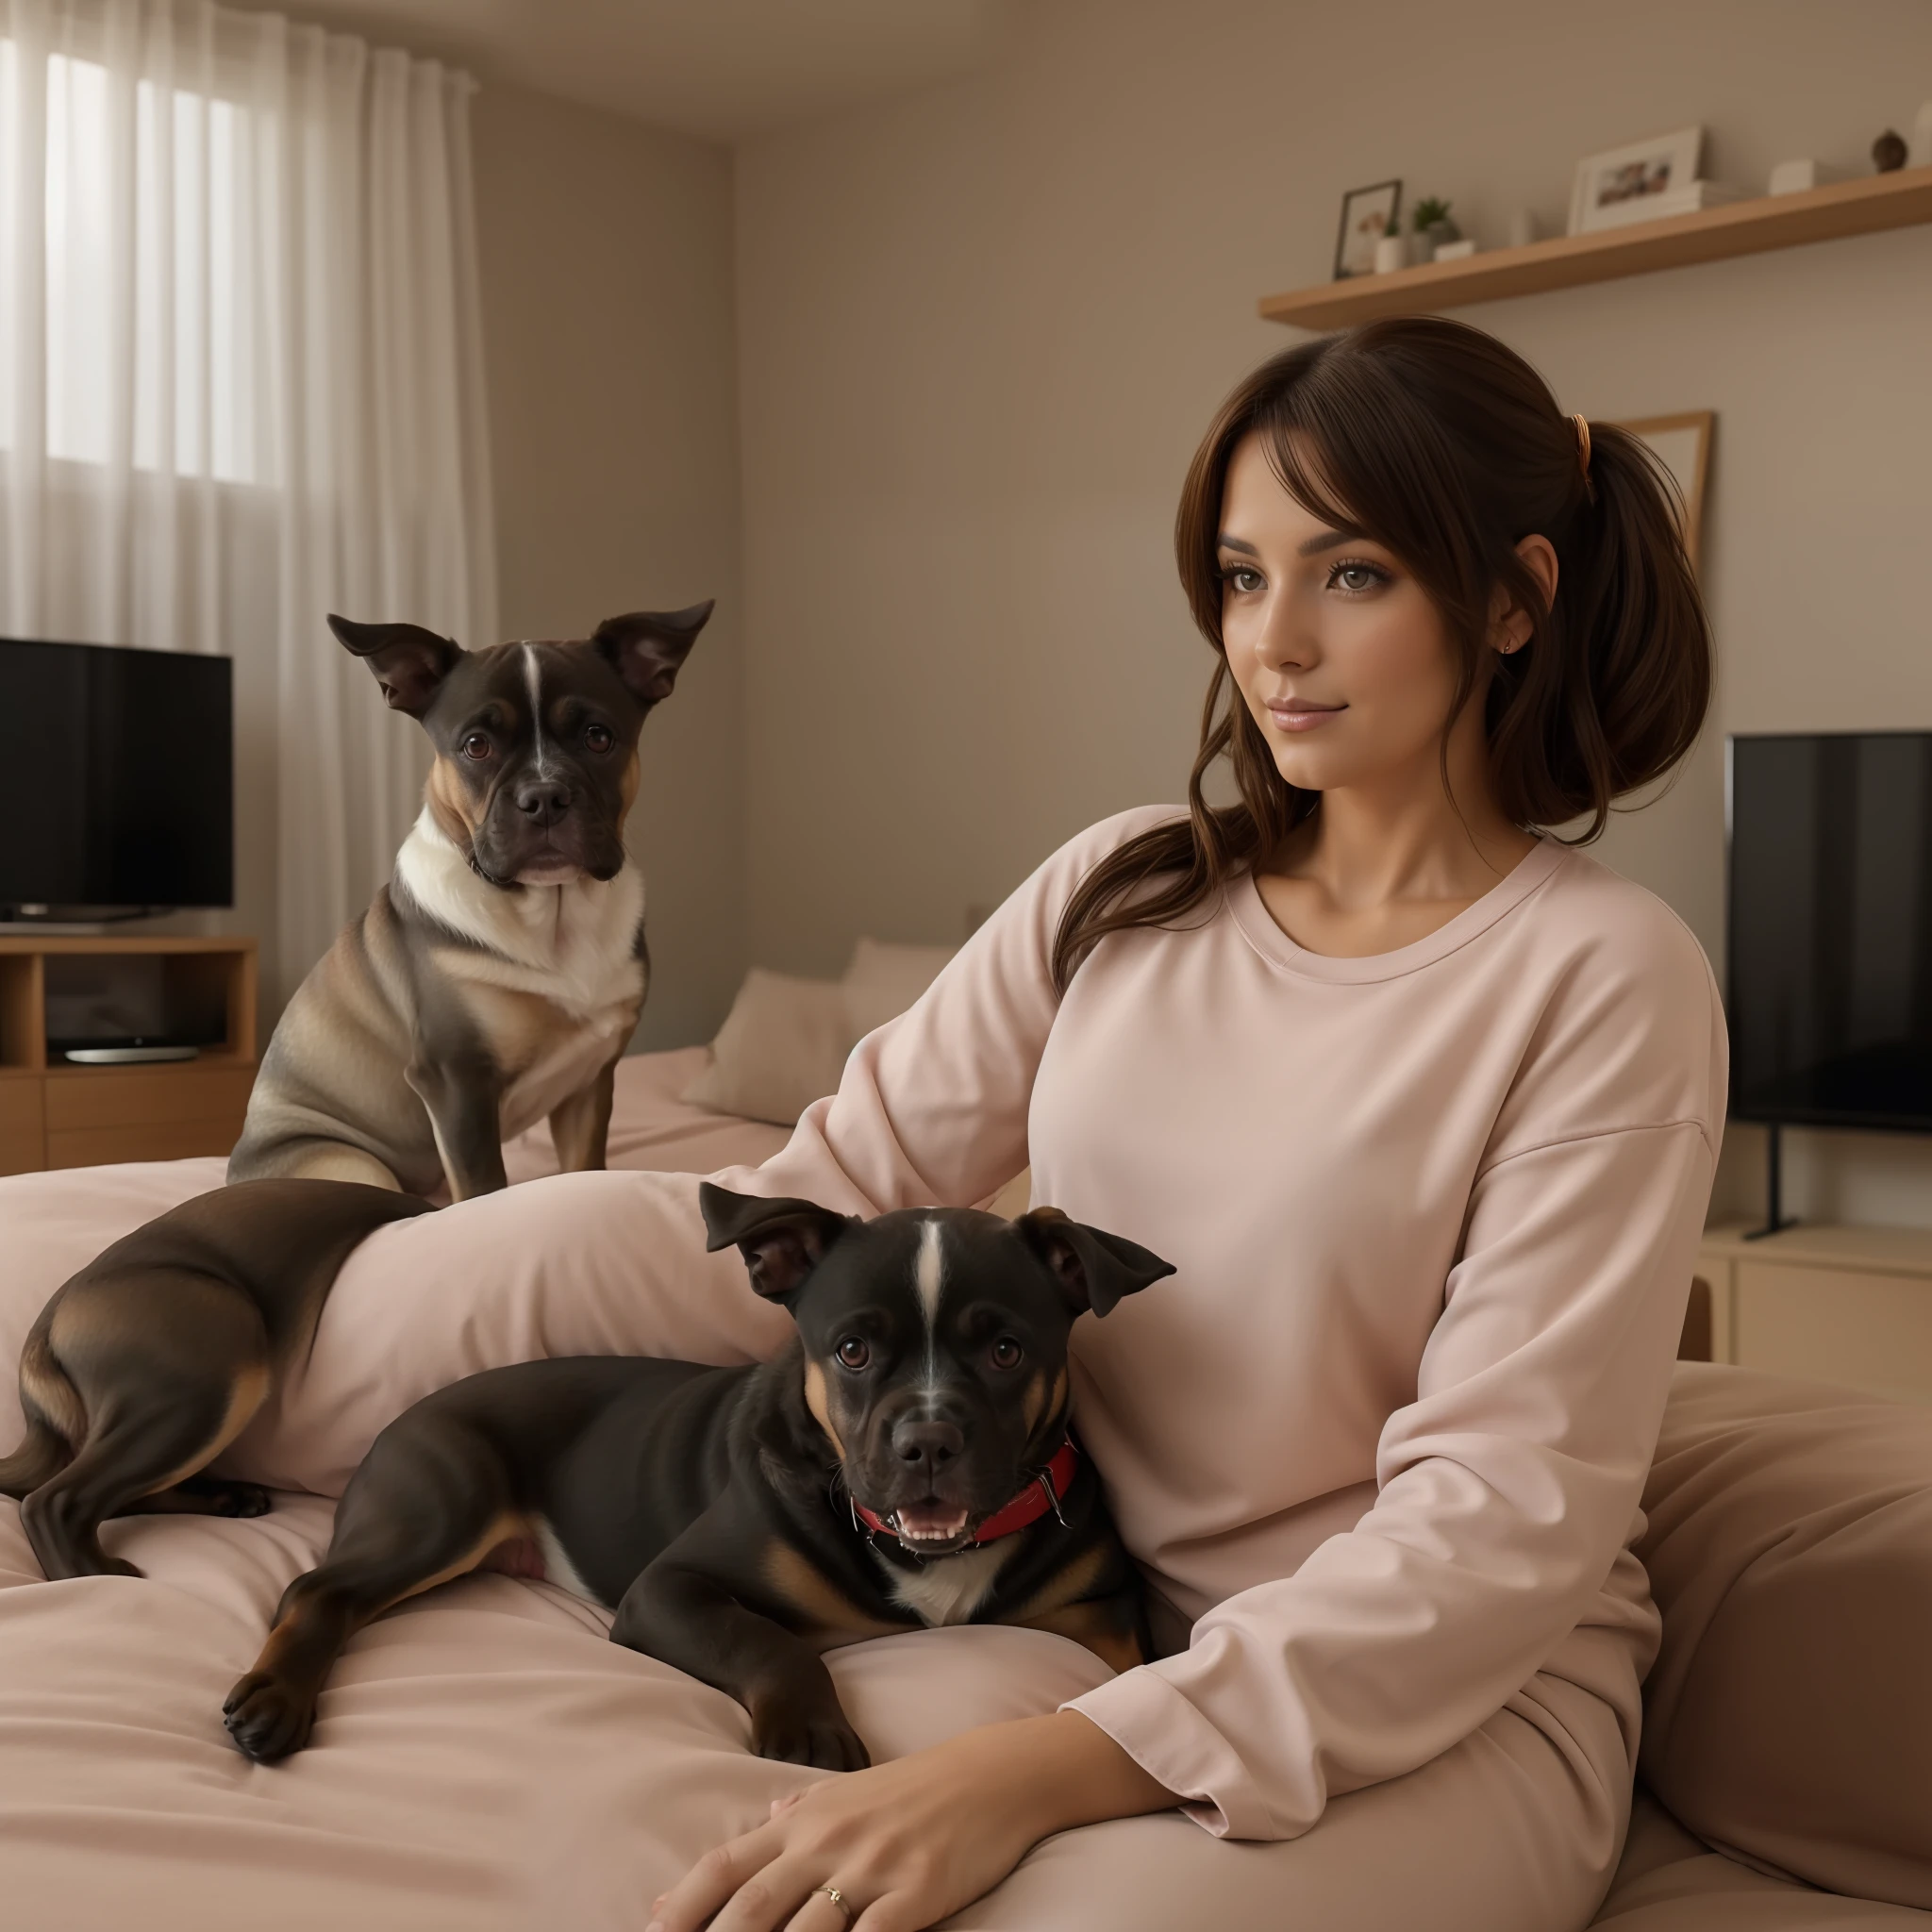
(1866, 207)
(57, 1114)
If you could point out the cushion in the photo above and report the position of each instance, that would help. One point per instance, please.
(883, 980)
(1789, 1719)
(1669, 1881)
(782, 1045)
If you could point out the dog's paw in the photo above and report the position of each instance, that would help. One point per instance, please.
(207, 1495)
(239, 1499)
(821, 1738)
(268, 1717)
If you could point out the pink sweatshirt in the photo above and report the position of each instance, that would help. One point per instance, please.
(1381, 1440)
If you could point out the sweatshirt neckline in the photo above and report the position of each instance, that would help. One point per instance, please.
(1533, 871)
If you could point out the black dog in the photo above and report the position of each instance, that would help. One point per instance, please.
(905, 1463)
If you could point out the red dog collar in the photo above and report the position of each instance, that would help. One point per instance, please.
(1040, 1495)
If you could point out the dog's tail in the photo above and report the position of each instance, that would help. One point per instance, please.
(44, 1393)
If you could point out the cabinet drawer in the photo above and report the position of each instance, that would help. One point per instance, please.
(22, 1152)
(20, 1107)
(174, 1140)
(148, 1097)
(1867, 1331)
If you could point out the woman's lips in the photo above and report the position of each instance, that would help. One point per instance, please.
(1296, 715)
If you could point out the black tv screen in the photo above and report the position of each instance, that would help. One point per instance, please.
(120, 777)
(1830, 930)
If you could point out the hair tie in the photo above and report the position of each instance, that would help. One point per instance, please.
(1583, 453)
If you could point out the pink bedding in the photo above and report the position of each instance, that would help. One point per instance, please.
(486, 1760)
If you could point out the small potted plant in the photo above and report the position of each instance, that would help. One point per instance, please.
(1391, 249)
(1433, 225)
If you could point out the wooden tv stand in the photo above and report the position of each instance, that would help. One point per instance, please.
(1849, 1305)
(57, 1114)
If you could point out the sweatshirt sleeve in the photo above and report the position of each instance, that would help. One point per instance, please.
(1506, 1492)
(931, 1111)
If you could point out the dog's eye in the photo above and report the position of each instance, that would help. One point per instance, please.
(1007, 1352)
(476, 746)
(853, 1353)
(599, 737)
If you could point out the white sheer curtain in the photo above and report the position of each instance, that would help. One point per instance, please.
(242, 386)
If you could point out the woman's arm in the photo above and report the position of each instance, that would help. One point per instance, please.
(932, 1108)
(907, 1842)
(1508, 1489)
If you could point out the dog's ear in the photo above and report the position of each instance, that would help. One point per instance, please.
(409, 663)
(782, 1242)
(648, 648)
(1094, 1268)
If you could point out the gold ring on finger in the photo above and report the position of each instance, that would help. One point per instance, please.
(838, 1898)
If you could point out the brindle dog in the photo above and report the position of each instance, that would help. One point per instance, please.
(498, 977)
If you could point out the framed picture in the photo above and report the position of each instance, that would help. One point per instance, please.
(1607, 185)
(1367, 215)
(1682, 445)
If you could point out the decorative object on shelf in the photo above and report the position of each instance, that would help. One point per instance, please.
(1368, 214)
(1691, 199)
(1433, 225)
(1525, 229)
(1800, 177)
(1393, 252)
(1623, 183)
(1922, 137)
(1888, 152)
(1682, 445)
(1455, 251)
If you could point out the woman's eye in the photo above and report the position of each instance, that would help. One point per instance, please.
(599, 738)
(853, 1353)
(1356, 577)
(1007, 1352)
(1243, 579)
(476, 746)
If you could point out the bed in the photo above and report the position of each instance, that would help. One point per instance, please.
(486, 1760)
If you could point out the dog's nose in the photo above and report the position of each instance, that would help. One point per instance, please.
(543, 800)
(927, 1440)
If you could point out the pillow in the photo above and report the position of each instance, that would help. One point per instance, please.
(1788, 1718)
(782, 1045)
(883, 980)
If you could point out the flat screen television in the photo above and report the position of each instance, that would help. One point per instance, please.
(120, 780)
(1830, 930)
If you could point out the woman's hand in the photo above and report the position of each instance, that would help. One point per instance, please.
(905, 1844)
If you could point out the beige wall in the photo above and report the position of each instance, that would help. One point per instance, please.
(981, 329)
(609, 333)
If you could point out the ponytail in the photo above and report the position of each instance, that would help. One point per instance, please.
(1447, 448)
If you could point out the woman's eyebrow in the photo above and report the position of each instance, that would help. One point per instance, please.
(1227, 543)
(1327, 540)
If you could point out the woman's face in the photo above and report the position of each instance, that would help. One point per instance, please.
(1343, 662)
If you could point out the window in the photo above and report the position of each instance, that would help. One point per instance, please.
(173, 350)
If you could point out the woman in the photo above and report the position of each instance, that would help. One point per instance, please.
(1423, 1105)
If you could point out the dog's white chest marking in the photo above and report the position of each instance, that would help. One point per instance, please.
(948, 1590)
(573, 946)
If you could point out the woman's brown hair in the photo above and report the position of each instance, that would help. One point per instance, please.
(1447, 448)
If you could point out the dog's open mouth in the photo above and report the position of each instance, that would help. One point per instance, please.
(929, 1523)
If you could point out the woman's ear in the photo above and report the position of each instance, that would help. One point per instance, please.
(1511, 626)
